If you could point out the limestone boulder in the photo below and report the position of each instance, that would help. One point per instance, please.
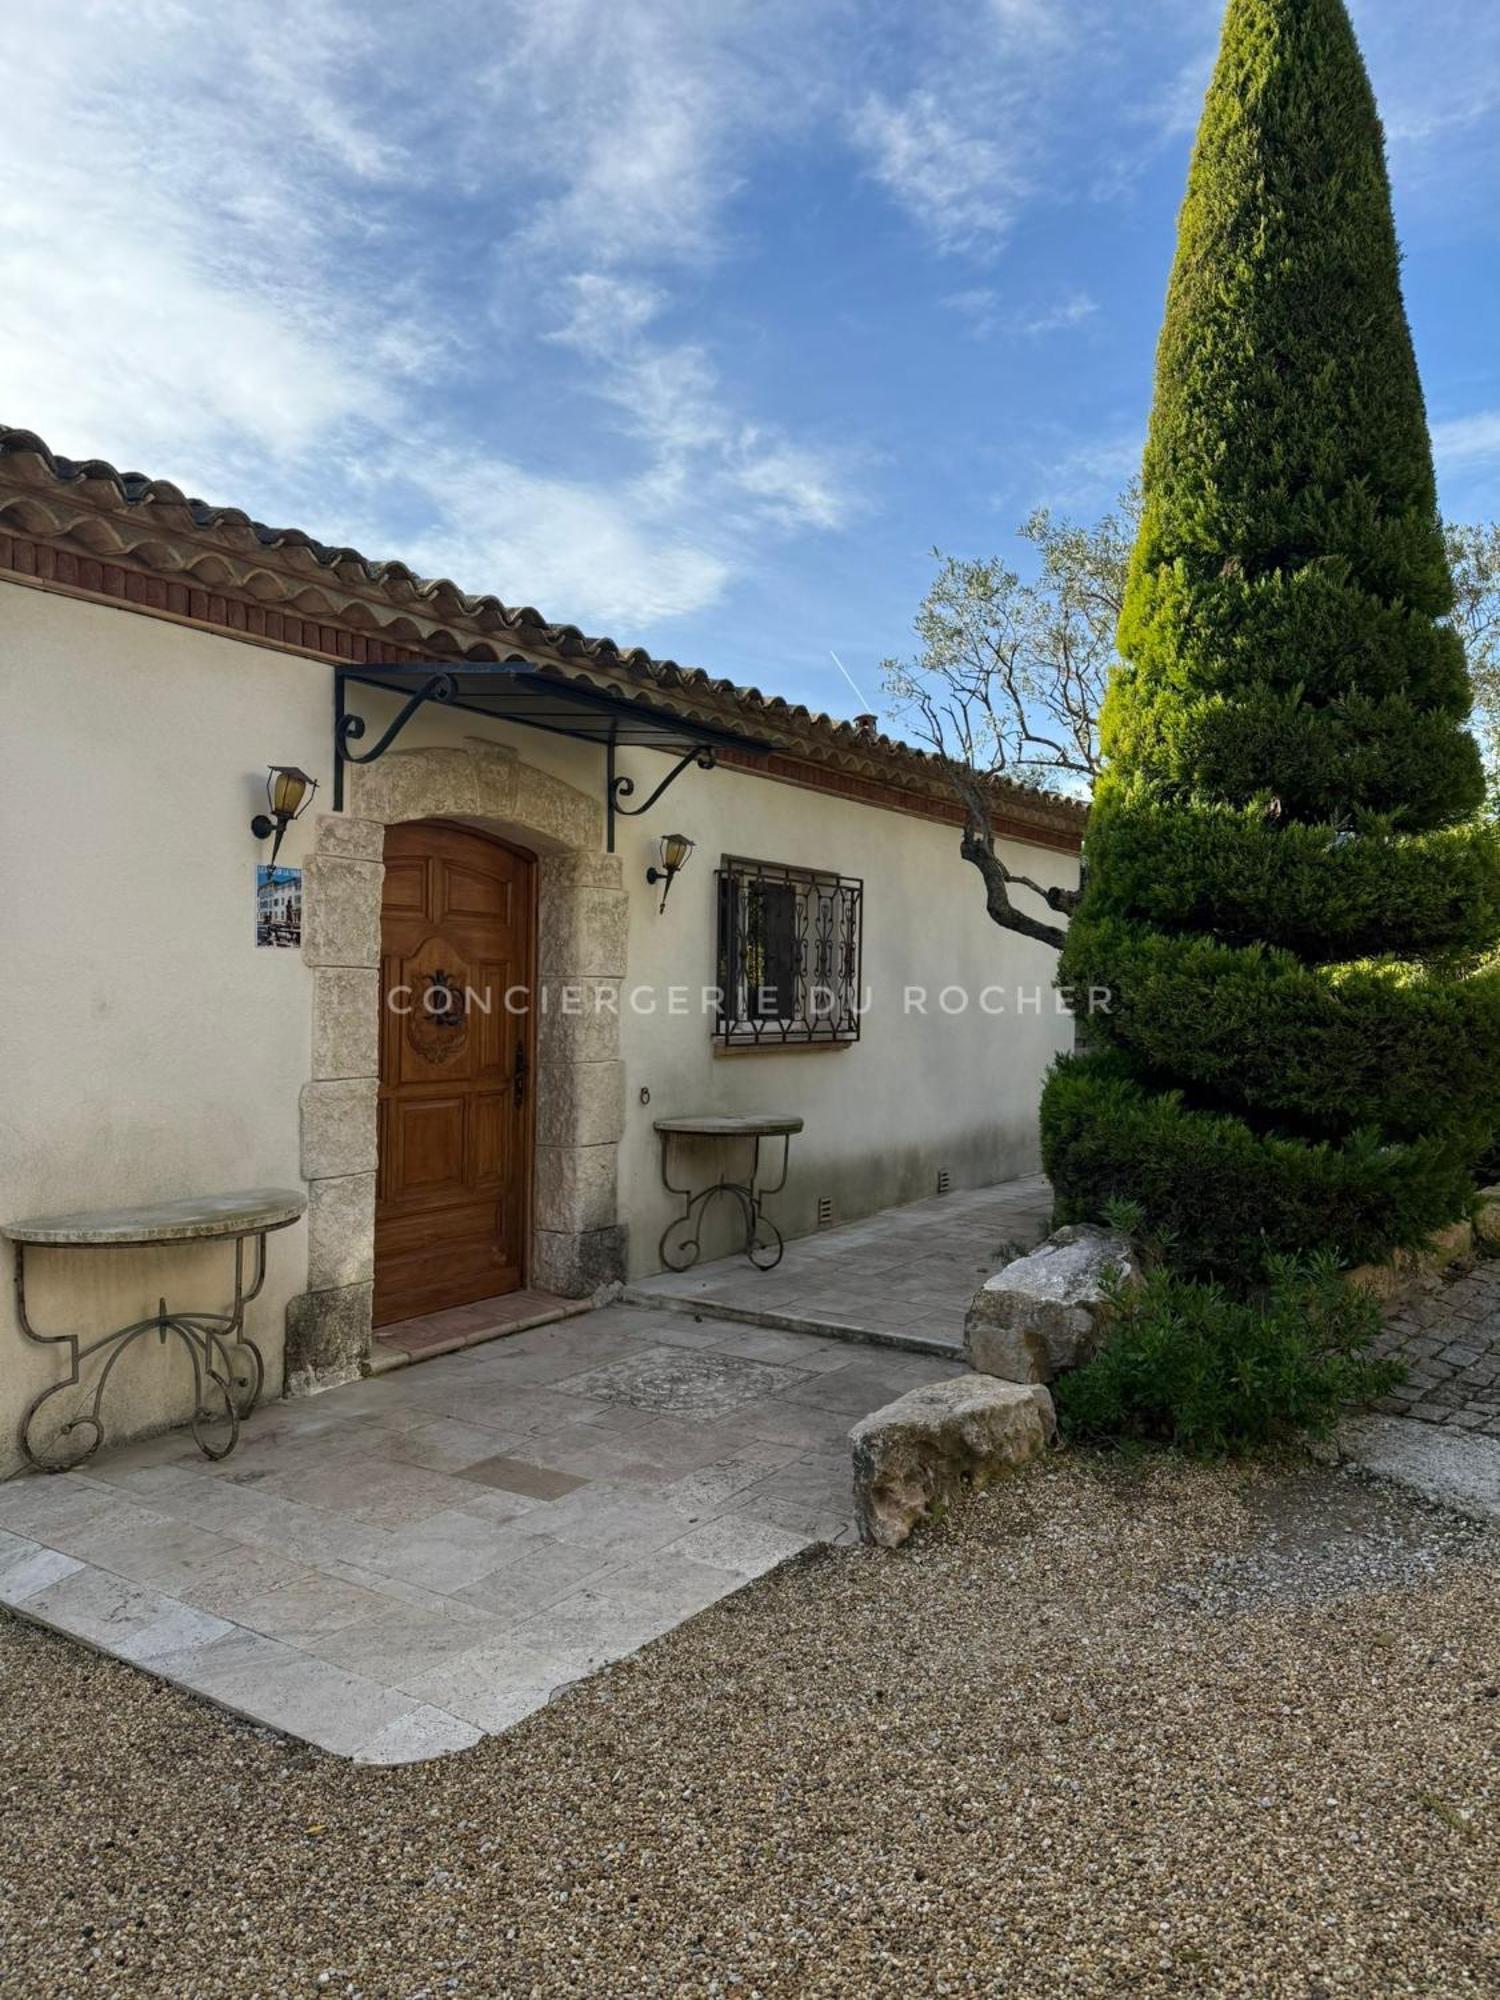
(918, 1454)
(1048, 1311)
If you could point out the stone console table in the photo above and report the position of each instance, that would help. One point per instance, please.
(226, 1362)
(763, 1242)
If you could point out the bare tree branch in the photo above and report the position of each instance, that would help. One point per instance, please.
(1009, 681)
(978, 847)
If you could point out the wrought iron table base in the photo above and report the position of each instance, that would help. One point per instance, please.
(227, 1366)
(763, 1240)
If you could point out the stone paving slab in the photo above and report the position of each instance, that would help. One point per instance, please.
(902, 1278)
(1449, 1339)
(398, 1567)
(1455, 1468)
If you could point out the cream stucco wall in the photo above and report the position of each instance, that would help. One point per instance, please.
(148, 1049)
(151, 1050)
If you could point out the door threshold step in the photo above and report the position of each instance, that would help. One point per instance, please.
(780, 1322)
(387, 1354)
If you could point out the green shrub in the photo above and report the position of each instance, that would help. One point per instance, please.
(1191, 1366)
(1302, 1052)
(1324, 892)
(1229, 1196)
(1324, 1049)
(1359, 756)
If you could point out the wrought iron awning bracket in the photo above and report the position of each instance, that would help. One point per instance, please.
(618, 787)
(444, 686)
(347, 728)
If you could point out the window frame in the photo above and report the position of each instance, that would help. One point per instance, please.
(838, 943)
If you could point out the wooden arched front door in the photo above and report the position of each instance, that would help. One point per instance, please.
(452, 1203)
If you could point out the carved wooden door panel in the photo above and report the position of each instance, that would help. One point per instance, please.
(453, 1194)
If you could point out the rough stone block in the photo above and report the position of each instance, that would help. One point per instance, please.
(566, 815)
(327, 1337)
(341, 911)
(580, 1020)
(340, 1232)
(577, 1266)
(576, 868)
(350, 839)
(580, 1104)
(1047, 1311)
(338, 1129)
(918, 1454)
(346, 1022)
(584, 933)
(575, 1188)
(457, 782)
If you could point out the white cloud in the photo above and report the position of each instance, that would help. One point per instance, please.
(670, 398)
(1437, 82)
(632, 121)
(963, 187)
(796, 486)
(1059, 317)
(138, 315)
(245, 290)
(605, 312)
(488, 520)
(985, 314)
(1467, 441)
(1087, 475)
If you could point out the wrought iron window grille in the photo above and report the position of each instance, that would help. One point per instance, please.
(789, 957)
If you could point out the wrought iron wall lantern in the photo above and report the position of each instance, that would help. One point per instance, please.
(289, 793)
(675, 849)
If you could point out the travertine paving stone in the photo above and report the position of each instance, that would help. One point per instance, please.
(906, 1273)
(393, 1569)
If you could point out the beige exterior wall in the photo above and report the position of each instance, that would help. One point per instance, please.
(150, 1050)
(147, 1048)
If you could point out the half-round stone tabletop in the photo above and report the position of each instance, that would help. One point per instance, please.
(767, 1127)
(194, 1219)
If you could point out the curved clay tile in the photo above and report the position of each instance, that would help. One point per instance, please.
(166, 558)
(35, 514)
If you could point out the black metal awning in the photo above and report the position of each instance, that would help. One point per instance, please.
(518, 690)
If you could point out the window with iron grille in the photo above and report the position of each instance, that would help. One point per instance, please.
(789, 955)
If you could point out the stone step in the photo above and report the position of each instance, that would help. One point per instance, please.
(781, 1322)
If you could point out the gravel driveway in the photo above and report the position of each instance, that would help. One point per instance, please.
(1120, 1729)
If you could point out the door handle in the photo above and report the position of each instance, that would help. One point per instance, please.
(518, 1079)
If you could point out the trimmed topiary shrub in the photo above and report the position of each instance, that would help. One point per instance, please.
(1192, 1366)
(1288, 896)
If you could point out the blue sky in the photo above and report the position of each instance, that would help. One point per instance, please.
(698, 324)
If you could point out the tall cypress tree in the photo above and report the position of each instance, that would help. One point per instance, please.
(1289, 896)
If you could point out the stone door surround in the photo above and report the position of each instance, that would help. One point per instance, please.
(578, 1243)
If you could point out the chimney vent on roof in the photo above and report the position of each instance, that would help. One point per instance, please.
(865, 724)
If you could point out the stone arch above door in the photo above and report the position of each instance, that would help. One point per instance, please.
(577, 1240)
